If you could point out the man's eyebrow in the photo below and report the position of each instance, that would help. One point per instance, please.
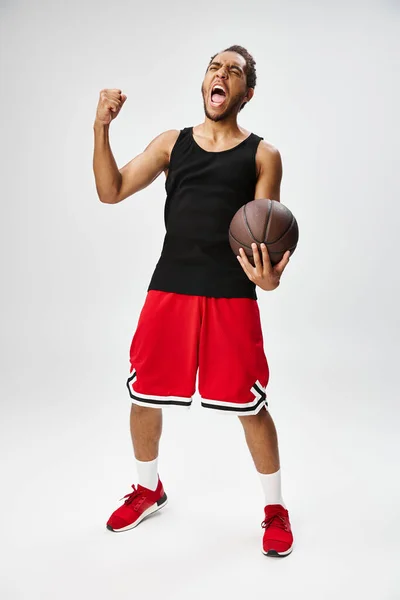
(218, 64)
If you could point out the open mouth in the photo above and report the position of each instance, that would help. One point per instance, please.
(218, 95)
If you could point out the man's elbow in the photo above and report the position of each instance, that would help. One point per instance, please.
(109, 199)
(112, 197)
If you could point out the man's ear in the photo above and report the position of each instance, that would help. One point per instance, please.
(250, 94)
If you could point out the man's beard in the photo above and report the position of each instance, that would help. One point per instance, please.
(236, 103)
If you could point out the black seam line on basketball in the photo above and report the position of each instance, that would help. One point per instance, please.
(284, 233)
(280, 251)
(233, 408)
(236, 240)
(248, 226)
(160, 402)
(271, 206)
(266, 243)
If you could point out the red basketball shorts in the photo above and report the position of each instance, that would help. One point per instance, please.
(220, 338)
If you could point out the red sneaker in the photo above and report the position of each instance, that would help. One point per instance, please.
(138, 505)
(278, 538)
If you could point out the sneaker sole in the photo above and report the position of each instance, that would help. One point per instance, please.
(152, 509)
(276, 554)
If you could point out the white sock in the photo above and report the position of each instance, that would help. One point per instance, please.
(271, 484)
(147, 473)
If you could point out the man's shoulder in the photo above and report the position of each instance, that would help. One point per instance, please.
(170, 136)
(268, 158)
(268, 155)
(165, 141)
(267, 150)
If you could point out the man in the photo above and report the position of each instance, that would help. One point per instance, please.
(201, 309)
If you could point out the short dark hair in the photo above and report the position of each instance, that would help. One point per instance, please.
(251, 76)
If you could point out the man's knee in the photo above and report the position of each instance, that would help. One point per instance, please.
(141, 411)
(250, 420)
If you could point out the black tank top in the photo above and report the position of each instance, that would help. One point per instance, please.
(204, 191)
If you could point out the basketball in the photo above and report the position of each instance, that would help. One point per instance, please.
(264, 221)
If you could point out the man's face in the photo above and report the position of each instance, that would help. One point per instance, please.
(224, 87)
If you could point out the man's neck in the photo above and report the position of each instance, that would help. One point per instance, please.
(216, 131)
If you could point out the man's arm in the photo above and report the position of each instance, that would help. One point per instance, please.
(114, 185)
(269, 172)
(269, 176)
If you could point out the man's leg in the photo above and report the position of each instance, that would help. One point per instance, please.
(146, 428)
(233, 376)
(262, 441)
(163, 367)
(149, 496)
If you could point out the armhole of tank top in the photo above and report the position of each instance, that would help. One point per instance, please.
(257, 140)
(171, 156)
(174, 147)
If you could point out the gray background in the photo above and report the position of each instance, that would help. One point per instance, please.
(74, 277)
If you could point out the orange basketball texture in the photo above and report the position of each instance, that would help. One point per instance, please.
(264, 221)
